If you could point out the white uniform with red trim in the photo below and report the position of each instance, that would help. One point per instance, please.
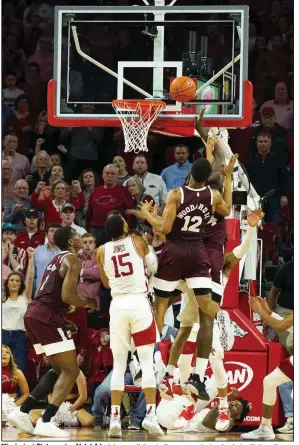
(130, 311)
(183, 413)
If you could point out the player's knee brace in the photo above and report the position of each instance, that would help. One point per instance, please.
(118, 372)
(271, 382)
(45, 385)
(202, 291)
(219, 373)
(145, 354)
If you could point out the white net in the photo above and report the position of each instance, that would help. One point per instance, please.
(136, 119)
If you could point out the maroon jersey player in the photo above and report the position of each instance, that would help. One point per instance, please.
(49, 332)
(186, 214)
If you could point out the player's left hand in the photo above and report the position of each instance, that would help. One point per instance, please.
(234, 392)
(69, 326)
(253, 218)
(146, 208)
(227, 170)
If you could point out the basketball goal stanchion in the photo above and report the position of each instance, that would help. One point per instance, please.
(136, 117)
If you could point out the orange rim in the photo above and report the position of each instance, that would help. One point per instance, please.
(133, 103)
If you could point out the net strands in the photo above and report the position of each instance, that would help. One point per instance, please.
(136, 117)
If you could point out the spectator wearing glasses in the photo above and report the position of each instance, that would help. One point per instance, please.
(174, 176)
(16, 208)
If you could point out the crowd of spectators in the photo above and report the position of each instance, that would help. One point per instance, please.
(76, 176)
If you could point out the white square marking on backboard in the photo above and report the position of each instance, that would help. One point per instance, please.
(123, 65)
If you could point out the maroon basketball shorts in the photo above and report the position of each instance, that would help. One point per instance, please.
(50, 335)
(183, 261)
(216, 258)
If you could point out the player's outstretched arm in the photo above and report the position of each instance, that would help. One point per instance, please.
(71, 269)
(148, 253)
(164, 223)
(100, 260)
(274, 320)
(219, 205)
(231, 259)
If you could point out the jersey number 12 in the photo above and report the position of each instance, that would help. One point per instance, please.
(192, 224)
(122, 268)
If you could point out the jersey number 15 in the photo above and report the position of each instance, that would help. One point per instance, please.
(122, 268)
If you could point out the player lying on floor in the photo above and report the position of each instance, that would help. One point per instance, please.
(189, 327)
(282, 374)
(184, 413)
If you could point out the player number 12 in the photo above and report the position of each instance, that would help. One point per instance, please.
(194, 227)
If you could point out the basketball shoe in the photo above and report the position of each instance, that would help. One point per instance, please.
(21, 421)
(151, 424)
(50, 429)
(196, 386)
(115, 427)
(263, 432)
(223, 419)
(165, 387)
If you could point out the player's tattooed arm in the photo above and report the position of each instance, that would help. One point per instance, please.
(70, 270)
(100, 260)
(164, 223)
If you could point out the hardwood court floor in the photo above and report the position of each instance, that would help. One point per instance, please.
(90, 434)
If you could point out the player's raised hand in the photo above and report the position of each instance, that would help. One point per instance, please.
(254, 217)
(210, 144)
(146, 207)
(199, 118)
(227, 170)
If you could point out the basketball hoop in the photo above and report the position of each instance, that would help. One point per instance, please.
(136, 117)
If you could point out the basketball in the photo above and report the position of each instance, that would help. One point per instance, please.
(183, 89)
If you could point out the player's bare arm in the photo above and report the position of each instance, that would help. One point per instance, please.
(202, 131)
(231, 259)
(70, 271)
(227, 171)
(145, 249)
(100, 260)
(219, 205)
(260, 306)
(164, 223)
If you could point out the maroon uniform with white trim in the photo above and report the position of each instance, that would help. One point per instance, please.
(184, 256)
(43, 319)
(215, 239)
(130, 311)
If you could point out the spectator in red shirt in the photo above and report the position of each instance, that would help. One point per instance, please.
(90, 283)
(107, 197)
(32, 237)
(52, 206)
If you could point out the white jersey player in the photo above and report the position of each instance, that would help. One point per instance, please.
(123, 263)
(185, 413)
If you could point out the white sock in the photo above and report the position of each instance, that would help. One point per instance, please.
(151, 409)
(267, 422)
(223, 402)
(115, 411)
(170, 369)
(201, 367)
